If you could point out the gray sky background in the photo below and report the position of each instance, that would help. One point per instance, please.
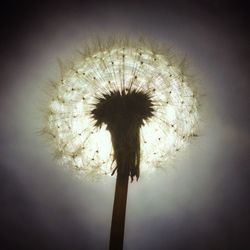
(199, 202)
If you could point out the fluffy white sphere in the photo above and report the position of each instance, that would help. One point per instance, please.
(113, 66)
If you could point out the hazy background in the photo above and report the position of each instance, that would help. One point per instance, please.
(200, 202)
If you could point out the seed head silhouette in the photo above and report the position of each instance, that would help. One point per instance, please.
(124, 113)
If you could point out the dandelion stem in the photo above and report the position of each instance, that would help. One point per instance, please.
(119, 212)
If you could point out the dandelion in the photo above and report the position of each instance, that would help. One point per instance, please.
(124, 107)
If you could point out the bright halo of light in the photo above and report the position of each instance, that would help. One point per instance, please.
(119, 66)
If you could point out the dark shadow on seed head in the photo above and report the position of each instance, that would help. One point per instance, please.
(124, 113)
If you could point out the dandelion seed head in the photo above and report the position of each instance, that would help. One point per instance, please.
(120, 67)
